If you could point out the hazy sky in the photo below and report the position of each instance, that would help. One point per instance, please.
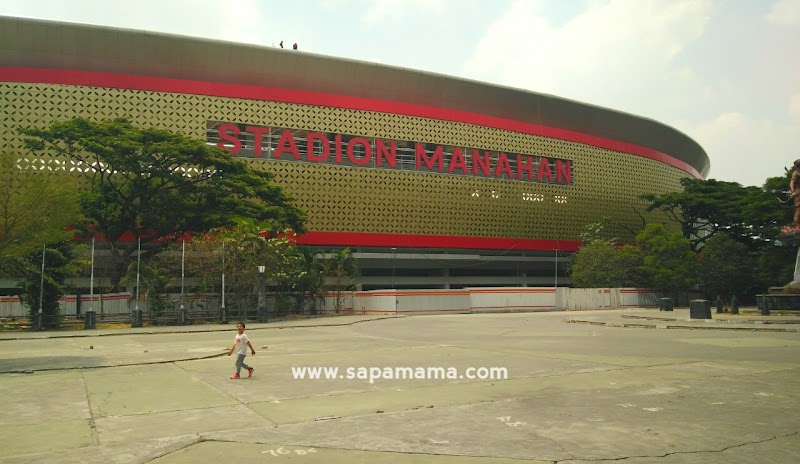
(725, 72)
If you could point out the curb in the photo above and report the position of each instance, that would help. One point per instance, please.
(226, 328)
(688, 327)
(145, 363)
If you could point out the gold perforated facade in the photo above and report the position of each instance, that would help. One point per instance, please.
(381, 213)
(354, 199)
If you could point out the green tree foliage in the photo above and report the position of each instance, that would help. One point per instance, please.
(602, 265)
(158, 185)
(153, 280)
(341, 271)
(727, 268)
(37, 204)
(766, 214)
(292, 271)
(60, 262)
(309, 284)
(775, 266)
(669, 264)
(750, 215)
(705, 207)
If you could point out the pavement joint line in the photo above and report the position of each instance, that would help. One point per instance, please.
(147, 363)
(409, 453)
(688, 327)
(226, 328)
(167, 453)
(92, 423)
(675, 453)
(246, 405)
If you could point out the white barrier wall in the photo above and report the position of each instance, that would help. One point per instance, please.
(504, 300)
(462, 301)
(11, 306)
(345, 302)
(109, 303)
(412, 302)
(638, 298)
(575, 299)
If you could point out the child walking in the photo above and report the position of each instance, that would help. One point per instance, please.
(240, 346)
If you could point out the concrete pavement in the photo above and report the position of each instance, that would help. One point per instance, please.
(637, 386)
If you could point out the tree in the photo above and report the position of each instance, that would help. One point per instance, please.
(152, 279)
(157, 185)
(727, 268)
(765, 212)
(341, 271)
(750, 215)
(600, 265)
(60, 262)
(37, 204)
(309, 282)
(668, 263)
(706, 207)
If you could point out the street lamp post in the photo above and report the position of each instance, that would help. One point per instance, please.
(396, 299)
(183, 316)
(137, 315)
(40, 322)
(223, 312)
(89, 321)
(261, 315)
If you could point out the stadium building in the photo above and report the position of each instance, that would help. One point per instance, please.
(431, 180)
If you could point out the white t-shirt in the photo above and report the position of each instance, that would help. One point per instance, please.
(241, 344)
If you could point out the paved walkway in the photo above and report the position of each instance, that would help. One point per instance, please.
(594, 386)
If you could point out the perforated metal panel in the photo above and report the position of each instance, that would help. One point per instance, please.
(346, 199)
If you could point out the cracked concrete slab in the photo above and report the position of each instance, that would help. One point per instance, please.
(574, 393)
(219, 452)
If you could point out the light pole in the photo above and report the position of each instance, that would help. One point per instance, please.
(40, 322)
(223, 313)
(183, 317)
(261, 314)
(396, 299)
(89, 317)
(91, 281)
(137, 315)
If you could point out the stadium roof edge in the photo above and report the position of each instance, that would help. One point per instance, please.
(111, 49)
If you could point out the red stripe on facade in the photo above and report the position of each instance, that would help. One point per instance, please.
(249, 92)
(433, 241)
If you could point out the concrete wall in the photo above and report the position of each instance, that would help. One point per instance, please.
(462, 301)
(503, 300)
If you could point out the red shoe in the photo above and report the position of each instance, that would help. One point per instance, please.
(235, 376)
(250, 372)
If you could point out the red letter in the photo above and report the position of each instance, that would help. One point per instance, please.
(564, 172)
(390, 155)
(230, 133)
(457, 161)
(367, 151)
(544, 170)
(257, 132)
(338, 141)
(436, 158)
(503, 166)
(326, 147)
(286, 143)
(482, 162)
(527, 166)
